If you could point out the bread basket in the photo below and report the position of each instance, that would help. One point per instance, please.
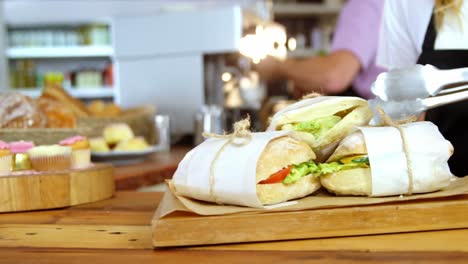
(140, 119)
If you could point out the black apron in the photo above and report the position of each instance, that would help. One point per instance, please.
(451, 119)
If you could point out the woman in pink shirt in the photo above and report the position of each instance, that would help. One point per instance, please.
(349, 68)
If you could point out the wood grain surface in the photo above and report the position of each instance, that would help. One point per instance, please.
(71, 256)
(118, 230)
(184, 229)
(54, 190)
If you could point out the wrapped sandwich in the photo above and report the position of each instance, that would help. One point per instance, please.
(380, 161)
(267, 169)
(323, 121)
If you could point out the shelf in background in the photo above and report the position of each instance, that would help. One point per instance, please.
(305, 9)
(59, 52)
(81, 93)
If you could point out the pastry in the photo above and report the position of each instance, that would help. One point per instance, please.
(114, 133)
(19, 149)
(5, 158)
(50, 158)
(133, 144)
(98, 144)
(81, 153)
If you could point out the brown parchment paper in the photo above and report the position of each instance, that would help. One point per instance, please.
(321, 199)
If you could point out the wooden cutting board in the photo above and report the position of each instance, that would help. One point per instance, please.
(54, 190)
(183, 228)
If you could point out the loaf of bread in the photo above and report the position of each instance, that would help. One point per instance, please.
(99, 108)
(58, 115)
(57, 93)
(20, 111)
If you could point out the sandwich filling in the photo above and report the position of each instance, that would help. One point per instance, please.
(294, 172)
(316, 127)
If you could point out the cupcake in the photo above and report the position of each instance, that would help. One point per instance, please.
(81, 153)
(133, 144)
(19, 149)
(98, 144)
(114, 133)
(50, 158)
(5, 158)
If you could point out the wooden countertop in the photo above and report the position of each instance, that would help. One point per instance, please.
(118, 230)
(154, 170)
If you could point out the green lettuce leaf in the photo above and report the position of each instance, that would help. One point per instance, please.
(300, 170)
(318, 126)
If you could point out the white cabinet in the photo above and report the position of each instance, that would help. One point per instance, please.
(78, 55)
(3, 67)
(59, 52)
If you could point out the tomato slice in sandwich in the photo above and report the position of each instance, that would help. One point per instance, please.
(277, 176)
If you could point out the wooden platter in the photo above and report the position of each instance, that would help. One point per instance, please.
(184, 228)
(54, 190)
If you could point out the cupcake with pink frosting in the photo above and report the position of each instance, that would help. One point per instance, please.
(19, 149)
(5, 159)
(81, 152)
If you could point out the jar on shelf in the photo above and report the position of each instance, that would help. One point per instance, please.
(96, 34)
(24, 74)
(53, 79)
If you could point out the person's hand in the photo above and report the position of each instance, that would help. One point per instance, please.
(269, 69)
(299, 91)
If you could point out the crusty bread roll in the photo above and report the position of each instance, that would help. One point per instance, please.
(278, 154)
(353, 111)
(353, 144)
(349, 182)
(358, 181)
(278, 192)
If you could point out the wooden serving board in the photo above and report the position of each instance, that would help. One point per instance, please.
(183, 228)
(54, 190)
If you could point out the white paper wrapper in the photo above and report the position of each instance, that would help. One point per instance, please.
(428, 152)
(234, 171)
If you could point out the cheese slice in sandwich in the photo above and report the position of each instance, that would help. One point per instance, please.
(357, 169)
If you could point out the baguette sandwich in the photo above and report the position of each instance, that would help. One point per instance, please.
(323, 122)
(350, 168)
(282, 171)
(270, 169)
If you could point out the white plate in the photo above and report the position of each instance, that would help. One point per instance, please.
(123, 157)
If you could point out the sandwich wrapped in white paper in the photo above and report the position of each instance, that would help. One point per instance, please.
(322, 121)
(391, 161)
(222, 171)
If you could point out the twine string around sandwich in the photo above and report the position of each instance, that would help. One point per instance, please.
(388, 121)
(239, 137)
(311, 95)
